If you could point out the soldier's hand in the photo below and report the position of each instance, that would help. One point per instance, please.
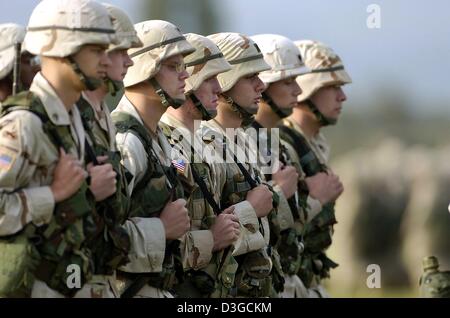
(324, 187)
(226, 229)
(103, 179)
(261, 200)
(286, 178)
(338, 184)
(175, 219)
(67, 176)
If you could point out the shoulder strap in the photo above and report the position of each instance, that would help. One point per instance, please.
(308, 159)
(127, 123)
(206, 193)
(86, 112)
(253, 183)
(26, 100)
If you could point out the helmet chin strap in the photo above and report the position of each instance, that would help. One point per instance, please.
(247, 117)
(90, 83)
(166, 100)
(323, 120)
(206, 114)
(282, 113)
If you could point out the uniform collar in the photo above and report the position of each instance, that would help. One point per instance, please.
(174, 123)
(211, 130)
(53, 105)
(319, 141)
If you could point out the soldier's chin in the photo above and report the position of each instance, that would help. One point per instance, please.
(333, 121)
(252, 109)
(212, 112)
(179, 96)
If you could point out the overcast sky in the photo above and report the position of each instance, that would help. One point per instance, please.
(410, 50)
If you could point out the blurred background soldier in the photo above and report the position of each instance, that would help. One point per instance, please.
(377, 194)
(26, 64)
(433, 282)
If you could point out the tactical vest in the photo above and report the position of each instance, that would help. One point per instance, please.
(158, 186)
(217, 278)
(223, 266)
(254, 275)
(69, 238)
(317, 234)
(114, 209)
(276, 235)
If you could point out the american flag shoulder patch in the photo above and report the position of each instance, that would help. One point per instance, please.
(179, 164)
(7, 158)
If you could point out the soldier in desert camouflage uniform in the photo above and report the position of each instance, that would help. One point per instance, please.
(319, 105)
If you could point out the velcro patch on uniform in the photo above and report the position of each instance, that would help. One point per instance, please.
(7, 158)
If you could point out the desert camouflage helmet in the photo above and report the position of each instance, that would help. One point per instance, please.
(245, 58)
(242, 53)
(285, 61)
(325, 68)
(207, 61)
(59, 28)
(11, 34)
(282, 55)
(161, 40)
(126, 36)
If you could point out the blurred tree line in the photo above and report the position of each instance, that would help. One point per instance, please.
(384, 115)
(196, 16)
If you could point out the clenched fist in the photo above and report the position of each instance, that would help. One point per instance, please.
(67, 176)
(226, 229)
(175, 219)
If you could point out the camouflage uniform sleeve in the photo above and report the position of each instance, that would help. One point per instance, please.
(20, 148)
(148, 244)
(134, 157)
(314, 207)
(197, 244)
(251, 238)
(284, 215)
(196, 249)
(148, 237)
